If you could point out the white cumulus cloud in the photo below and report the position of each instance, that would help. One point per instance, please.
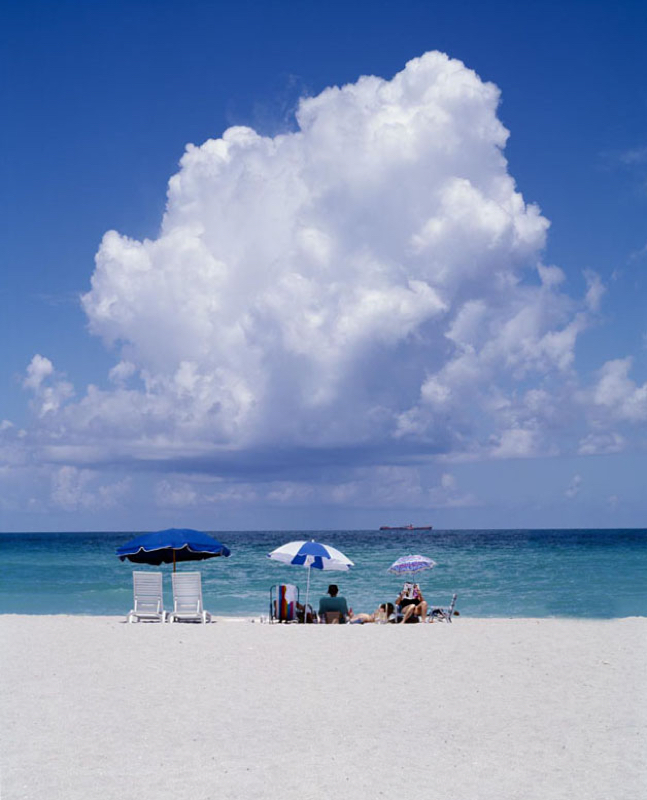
(39, 369)
(368, 283)
(304, 286)
(50, 391)
(618, 394)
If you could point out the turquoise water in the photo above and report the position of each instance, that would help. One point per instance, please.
(540, 573)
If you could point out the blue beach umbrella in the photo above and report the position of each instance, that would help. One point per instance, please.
(311, 555)
(169, 546)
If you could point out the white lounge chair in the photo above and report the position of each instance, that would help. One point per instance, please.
(149, 599)
(187, 598)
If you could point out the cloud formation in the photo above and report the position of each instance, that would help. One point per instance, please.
(335, 285)
(365, 287)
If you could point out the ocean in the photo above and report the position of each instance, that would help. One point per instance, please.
(509, 573)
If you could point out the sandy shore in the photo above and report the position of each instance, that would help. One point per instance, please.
(501, 709)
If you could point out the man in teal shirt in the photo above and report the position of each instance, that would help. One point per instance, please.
(334, 603)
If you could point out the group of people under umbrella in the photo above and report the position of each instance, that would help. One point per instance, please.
(183, 544)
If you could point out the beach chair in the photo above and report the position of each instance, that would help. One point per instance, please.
(331, 618)
(399, 614)
(409, 593)
(442, 614)
(148, 597)
(187, 598)
(284, 599)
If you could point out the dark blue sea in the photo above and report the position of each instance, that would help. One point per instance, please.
(512, 573)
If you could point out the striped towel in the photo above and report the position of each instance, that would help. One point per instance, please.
(287, 602)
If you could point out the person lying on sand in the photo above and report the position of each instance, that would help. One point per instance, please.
(382, 613)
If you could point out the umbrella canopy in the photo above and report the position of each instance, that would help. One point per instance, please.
(410, 565)
(312, 555)
(169, 546)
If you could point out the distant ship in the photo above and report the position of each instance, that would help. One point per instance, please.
(408, 527)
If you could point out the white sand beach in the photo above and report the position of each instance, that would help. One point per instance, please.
(501, 709)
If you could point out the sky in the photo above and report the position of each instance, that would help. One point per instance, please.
(294, 265)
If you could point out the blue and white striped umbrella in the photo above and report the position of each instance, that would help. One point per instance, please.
(312, 555)
(410, 565)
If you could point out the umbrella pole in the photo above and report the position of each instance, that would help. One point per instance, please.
(305, 609)
(173, 559)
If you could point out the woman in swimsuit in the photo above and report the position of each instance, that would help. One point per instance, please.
(381, 614)
(412, 602)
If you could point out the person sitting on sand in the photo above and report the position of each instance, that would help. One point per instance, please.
(381, 614)
(411, 603)
(309, 617)
(335, 603)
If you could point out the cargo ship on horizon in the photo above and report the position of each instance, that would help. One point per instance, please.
(408, 527)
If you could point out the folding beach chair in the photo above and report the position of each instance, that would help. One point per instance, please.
(408, 593)
(148, 597)
(187, 598)
(284, 598)
(399, 614)
(442, 614)
(331, 618)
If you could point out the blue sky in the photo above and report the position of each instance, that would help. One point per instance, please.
(371, 324)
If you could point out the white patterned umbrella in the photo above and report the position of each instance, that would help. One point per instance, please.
(410, 565)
